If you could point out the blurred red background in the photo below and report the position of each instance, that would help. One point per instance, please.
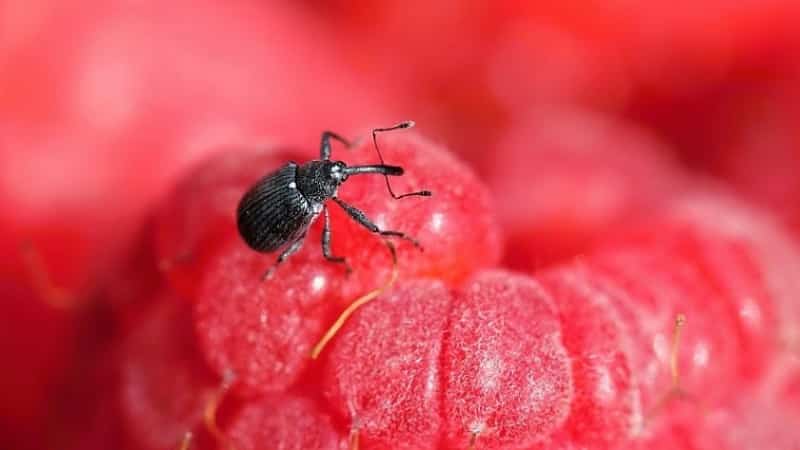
(103, 104)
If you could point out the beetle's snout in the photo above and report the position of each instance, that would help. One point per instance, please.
(382, 169)
(394, 170)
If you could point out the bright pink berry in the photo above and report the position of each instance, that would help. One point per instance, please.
(775, 254)
(507, 374)
(651, 286)
(455, 226)
(383, 372)
(605, 406)
(285, 422)
(263, 330)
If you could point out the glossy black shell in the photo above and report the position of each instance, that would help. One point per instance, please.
(274, 212)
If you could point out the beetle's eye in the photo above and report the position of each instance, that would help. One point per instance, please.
(337, 172)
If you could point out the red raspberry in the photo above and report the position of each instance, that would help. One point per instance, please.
(563, 177)
(773, 272)
(507, 376)
(383, 372)
(285, 422)
(263, 331)
(39, 343)
(455, 226)
(165, 387)
(606, 407)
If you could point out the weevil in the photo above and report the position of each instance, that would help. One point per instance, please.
(278, 210)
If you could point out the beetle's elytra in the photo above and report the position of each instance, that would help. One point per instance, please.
(278, 210)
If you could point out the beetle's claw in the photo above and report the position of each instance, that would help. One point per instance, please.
(268, 274)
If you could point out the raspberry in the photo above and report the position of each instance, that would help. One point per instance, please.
(775, 254)
(678, 332)
(562, 177)
(654, 285)
(165, 386)
(263, 331)
(130, 283)
(39, 343)
(383, 372)
(605, 406)
(285, 422)
(631, 290)
(507, 376)
(455, 226)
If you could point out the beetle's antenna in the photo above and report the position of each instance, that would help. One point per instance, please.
(401, 125)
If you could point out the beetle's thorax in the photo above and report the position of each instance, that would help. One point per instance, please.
(318, 180)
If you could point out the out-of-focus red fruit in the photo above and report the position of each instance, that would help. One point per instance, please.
(285, 422)
(768, 306)
(105, 102)
(455, 226)
(783, 381)
(535, 61)
(564, 176)
(683, 425)
(749, 422)
(128, 284)
(201, 210)
(605, 407)
(767, 416)
(165, 386)
(755, 141)
(743, 130)
(651, 286)
(723, 265)
(507, 375)
(263, 330)
(383, 372)
(37, 344)
(757, 423)
(103, 430)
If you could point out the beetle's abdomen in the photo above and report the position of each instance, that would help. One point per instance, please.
(273, 212)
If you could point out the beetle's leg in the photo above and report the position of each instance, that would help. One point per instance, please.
(325, 144)
(326, 243)
(291, 249)
(362, 218)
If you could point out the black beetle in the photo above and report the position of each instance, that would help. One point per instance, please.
(278, 210)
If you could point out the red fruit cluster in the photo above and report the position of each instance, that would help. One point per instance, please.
(629, 346)
(650, 308)
(564, 176)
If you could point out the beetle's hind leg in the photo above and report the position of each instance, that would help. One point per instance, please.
(296, 245)
(326, 243)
